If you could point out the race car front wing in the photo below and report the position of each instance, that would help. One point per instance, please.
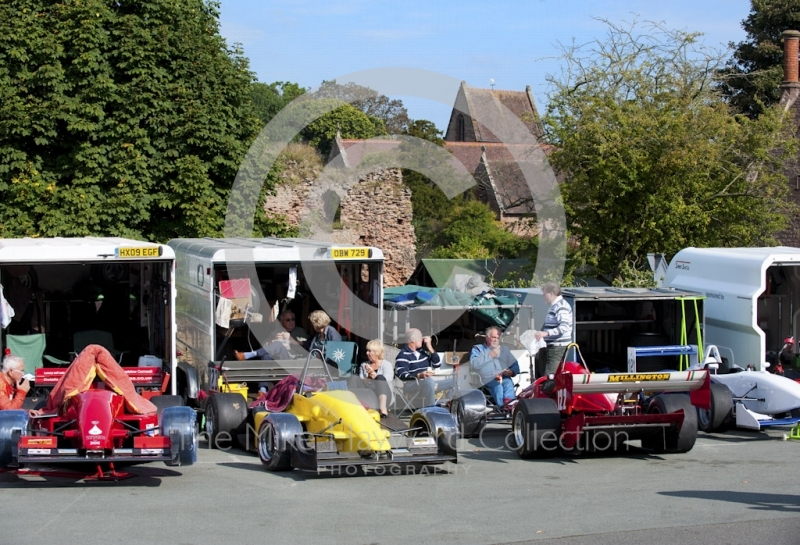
(317, 452)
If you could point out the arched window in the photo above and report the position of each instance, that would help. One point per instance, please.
(460, 129)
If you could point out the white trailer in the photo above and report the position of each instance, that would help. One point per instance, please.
(101, 290)
(752, 298)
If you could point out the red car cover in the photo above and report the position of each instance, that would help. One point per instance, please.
(96, 361)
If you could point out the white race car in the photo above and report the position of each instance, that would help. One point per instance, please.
(747, 399)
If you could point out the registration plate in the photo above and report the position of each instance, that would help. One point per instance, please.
(351, 253)
(133, 252)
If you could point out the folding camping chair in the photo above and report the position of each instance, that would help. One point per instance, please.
(31, 349)
(405, 401)
(343, 355)
(413, 400)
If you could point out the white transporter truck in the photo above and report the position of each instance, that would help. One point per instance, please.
(254, 280)
(752, 305)
(65, 293)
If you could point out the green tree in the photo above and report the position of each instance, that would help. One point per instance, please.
(269, 99)
(655, 161)
(426, 130)
(350, 122)
(119, 117)
(390, 111)
(752, 78)
(471, 231)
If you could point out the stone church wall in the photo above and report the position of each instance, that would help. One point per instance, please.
(375, 211)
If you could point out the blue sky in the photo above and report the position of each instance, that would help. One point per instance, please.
(514, 42)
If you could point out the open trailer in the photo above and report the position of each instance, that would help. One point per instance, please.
(260, 278)
(67, 293)
(752, 298)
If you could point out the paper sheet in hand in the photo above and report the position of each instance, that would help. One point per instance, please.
(528, 340)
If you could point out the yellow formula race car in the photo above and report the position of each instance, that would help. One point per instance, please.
(331, 429)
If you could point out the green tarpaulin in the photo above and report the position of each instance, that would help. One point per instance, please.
(486, 308)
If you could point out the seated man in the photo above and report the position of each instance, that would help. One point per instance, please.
(415, 367)
(495, 365)
(13, 384)
(286, 343)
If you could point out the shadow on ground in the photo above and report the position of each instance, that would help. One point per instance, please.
(782, 503)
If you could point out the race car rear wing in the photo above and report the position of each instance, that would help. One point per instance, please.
(697, 383)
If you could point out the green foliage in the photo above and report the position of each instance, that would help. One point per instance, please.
(655, 161)
(431, 206)
(269, 99)
(632, 275)
(470, 231)
(391, 112)
(349, 121)
(752, 78)
(119, 117)
(426, 130)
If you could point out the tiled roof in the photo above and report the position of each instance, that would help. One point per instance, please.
(356, 150)
(501, 173)
(504, 108)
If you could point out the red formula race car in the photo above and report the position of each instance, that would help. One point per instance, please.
(577, 411)
(102, 424)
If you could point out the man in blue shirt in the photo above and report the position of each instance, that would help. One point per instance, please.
(496, 365)
(415, 366)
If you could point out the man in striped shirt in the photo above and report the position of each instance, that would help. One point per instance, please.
(415, 365)
(557, 328)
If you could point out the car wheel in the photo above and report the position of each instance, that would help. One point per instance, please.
(276, 438)
(180, 425)
(110, 273)
(225, 415)
(13, 424)
(436, 422)
(673, 441)
(469, 413)
(29, 279)
(536, 428)
(718, 417)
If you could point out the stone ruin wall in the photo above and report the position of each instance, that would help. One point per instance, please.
(375, 211)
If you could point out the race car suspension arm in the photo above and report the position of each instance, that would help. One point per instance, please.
(57, 431)
(329, 426)
(744, 396)
(410, 430)
(133, 429)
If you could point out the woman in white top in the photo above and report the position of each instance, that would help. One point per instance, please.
(377, 374)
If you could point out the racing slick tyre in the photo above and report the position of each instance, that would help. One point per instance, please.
(536, 428)
(367, 397)
(225, 414)
(469, 413)
(436, 422)
(276, 438)
(163, 401)
(682, 440)
(717, 418)
(180, 425)
(13, 424)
